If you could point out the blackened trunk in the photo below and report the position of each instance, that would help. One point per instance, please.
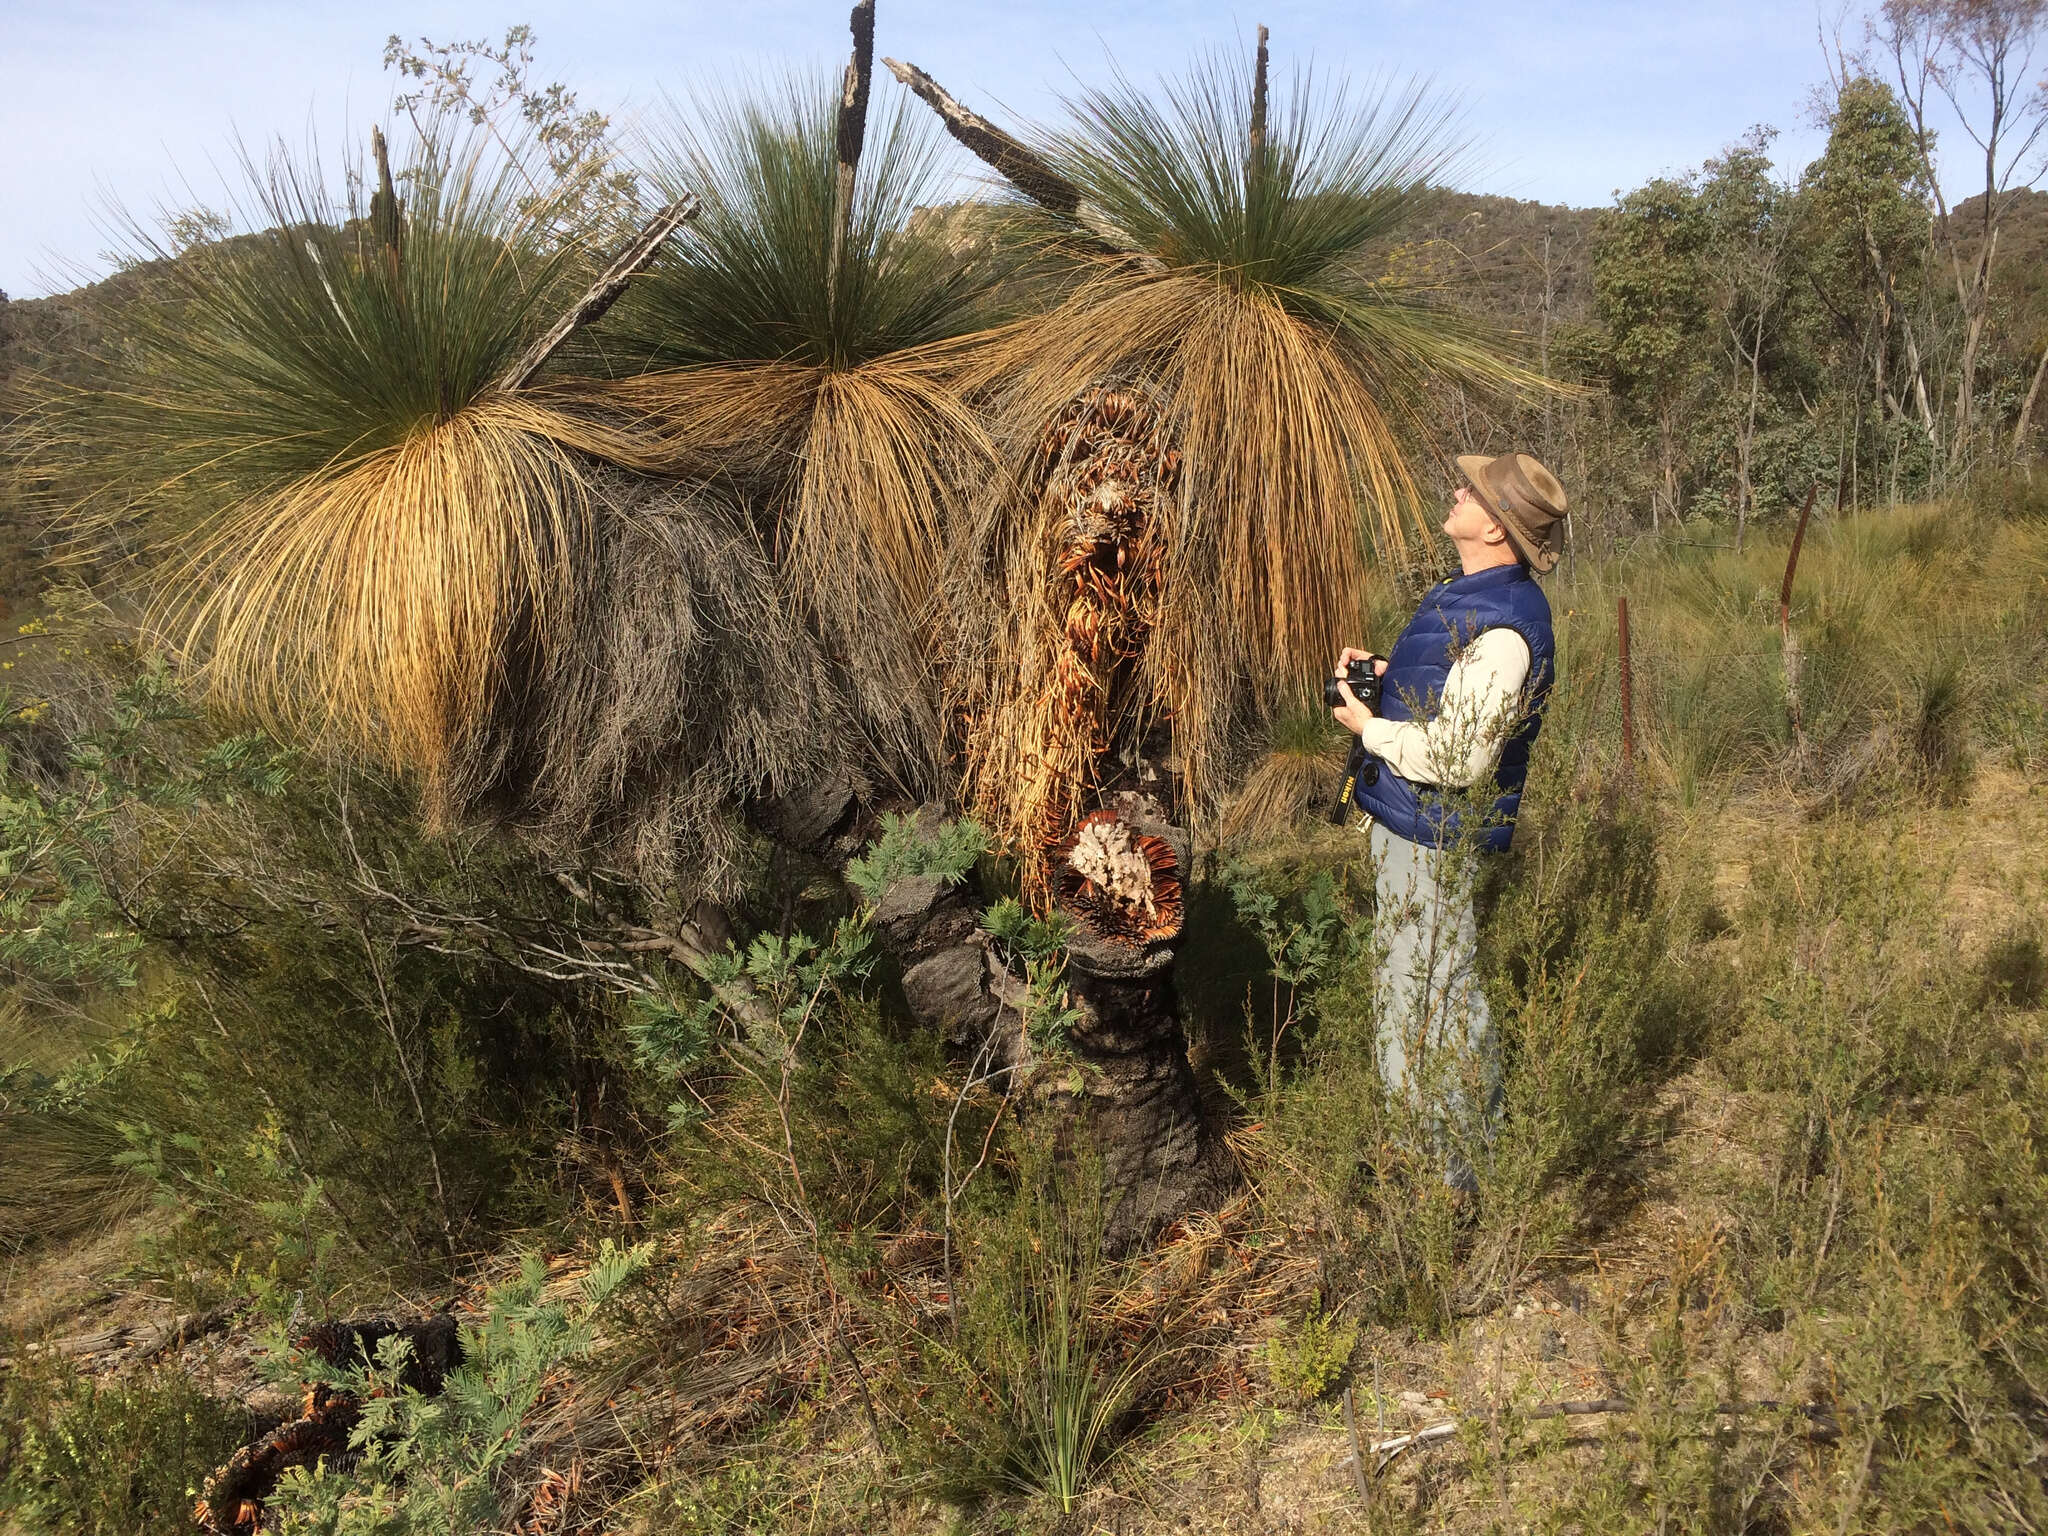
(1134, 1099)
(1119, 1090)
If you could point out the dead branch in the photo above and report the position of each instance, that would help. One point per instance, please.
(1257, 136)
(603, 293)
(1023, 168)
(1825, 1425)
(853, 125)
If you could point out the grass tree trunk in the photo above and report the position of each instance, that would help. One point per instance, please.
(1116, 1085)
(1105, 853)
(1134, 1097)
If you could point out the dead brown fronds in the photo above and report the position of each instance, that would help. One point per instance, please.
(855, 474)
(685, 684)
(1267, 437)
(1053, 682)
(606, 658)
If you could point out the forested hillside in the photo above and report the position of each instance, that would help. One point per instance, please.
(666, 858)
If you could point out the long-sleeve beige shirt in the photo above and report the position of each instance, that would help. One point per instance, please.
(1479, 709)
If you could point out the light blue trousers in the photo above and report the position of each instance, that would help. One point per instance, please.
(1436, 1037)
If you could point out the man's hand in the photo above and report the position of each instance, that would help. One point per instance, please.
(1354, 714)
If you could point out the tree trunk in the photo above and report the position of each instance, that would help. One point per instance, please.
(2019, 431)
(1667, 455)
(1745, 448)
(1119, 1087)
(1134, 1101)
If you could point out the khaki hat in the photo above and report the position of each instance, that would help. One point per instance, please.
(1525, 499)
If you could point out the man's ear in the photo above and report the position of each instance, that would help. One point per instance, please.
(1495, 532)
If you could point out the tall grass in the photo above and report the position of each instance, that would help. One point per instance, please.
(1921, 640)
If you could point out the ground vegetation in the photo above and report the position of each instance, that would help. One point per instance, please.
(569, 945)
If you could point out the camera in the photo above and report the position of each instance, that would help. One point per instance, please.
(1364, 681)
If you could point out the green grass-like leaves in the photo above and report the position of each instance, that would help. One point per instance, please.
(268, 357)
(753, 277)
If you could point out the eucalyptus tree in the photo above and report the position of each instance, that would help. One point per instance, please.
(1865, 233)
(1979, 57)
(1749, 215)
(1653, 297)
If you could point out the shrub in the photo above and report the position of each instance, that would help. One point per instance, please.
(429, 1466)
(1885, 1197)
(309, 1025)
(117, 1457)
(1311, 1357)
(905, 848)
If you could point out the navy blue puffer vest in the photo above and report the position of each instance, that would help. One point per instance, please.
(1452, 616)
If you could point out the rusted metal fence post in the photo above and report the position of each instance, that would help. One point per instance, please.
(1628, 692)
(1786, 638)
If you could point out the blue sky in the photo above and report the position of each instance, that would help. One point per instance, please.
(140, 103)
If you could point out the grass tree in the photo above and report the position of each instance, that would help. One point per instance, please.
(677, 569)
(346, 522)
(802, 336)
(1208, 440)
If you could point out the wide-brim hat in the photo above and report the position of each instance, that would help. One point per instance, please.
(1526, 499)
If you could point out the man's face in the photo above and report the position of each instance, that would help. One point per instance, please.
(1469, 520)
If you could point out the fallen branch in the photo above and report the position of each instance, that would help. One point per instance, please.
(603, 293)
(146, 1340)
(1825, 1426)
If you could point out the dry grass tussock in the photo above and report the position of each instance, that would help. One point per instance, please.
(375, 602)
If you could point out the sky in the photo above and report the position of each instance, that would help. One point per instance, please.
(138, 104)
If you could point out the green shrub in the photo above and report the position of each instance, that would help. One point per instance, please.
(118, 1457)
(431, 1466)
(1311, 1357)
(311, 1027)
(1885, 1205)
(949, 851)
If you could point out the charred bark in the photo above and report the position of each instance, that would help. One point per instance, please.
(1120, 1090)
(1134, 1098)
(232, 1501)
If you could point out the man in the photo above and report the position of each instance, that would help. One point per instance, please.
(1462, 698)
